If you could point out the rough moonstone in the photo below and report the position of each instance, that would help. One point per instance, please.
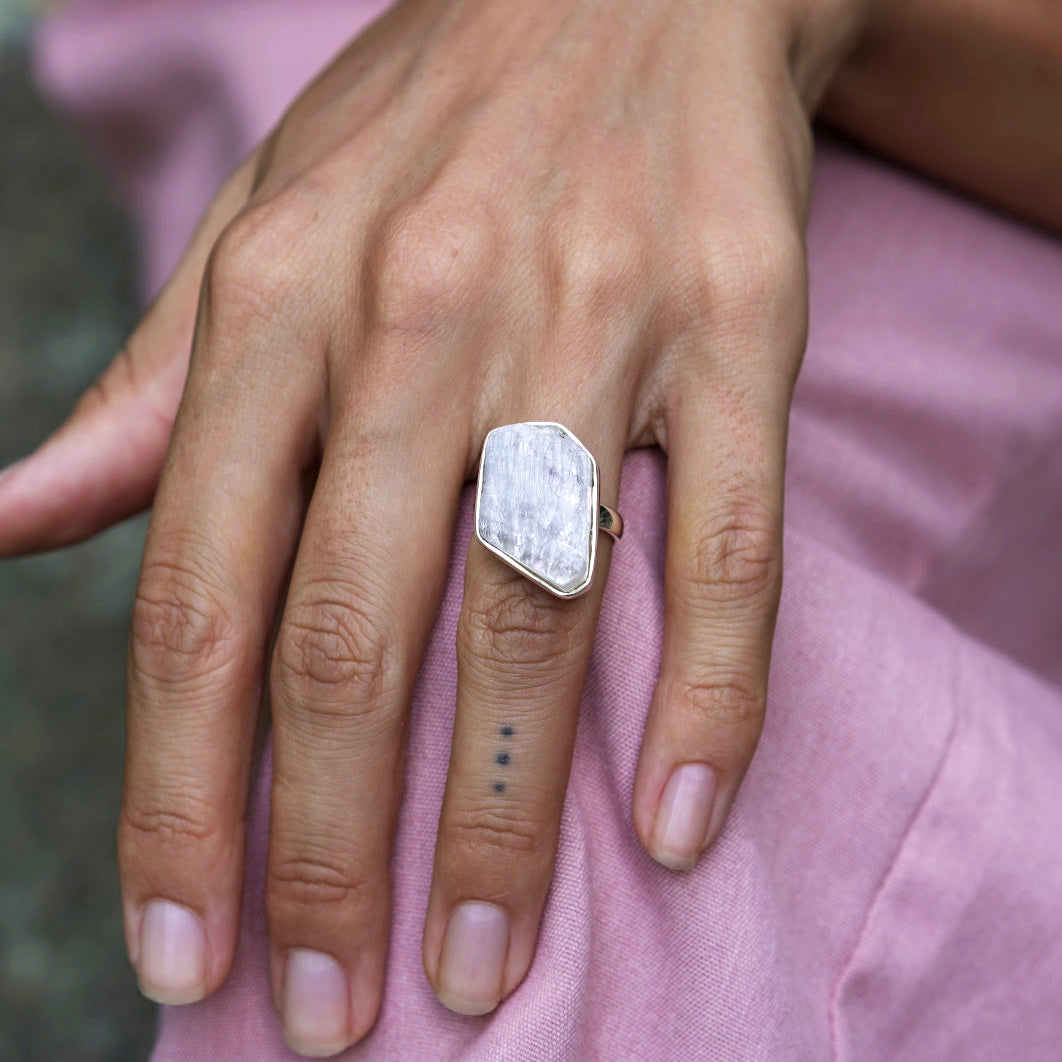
(537, 502)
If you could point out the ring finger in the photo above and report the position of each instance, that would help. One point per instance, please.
(522, 657)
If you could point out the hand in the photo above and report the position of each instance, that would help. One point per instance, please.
(483, 212)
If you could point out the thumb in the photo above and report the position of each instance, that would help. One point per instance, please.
(103, 463)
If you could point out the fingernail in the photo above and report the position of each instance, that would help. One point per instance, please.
(473, 958)
(172, 958)
(316, 1004)
(683, 816)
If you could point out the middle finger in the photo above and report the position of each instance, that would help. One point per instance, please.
(364, 593)
(522, 657)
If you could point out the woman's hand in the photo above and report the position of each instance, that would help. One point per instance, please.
(482, 212)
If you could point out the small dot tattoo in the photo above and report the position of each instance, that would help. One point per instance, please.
(506, 730)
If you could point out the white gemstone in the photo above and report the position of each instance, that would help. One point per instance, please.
(537, 502)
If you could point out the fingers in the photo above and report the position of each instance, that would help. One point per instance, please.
(364, 595)
(103, 464)
(726, 434)
(522, 658)
(221, 537)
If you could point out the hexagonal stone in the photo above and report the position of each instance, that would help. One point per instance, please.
(537, 504)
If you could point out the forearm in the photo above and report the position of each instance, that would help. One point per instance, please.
(969, 91)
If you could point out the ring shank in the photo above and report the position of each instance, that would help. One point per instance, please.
(610, 521)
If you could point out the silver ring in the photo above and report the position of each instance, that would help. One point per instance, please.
(537, 505)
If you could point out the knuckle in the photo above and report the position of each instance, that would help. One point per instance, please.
(168, 820)
(311, 880)
(752, 273)
(597, 265)
(330, 649)
(179, 628)
(129, 374)
(478, 834)
(252, 268)
(735, 557)
(116, 382)
(425, 263)
(732, 699)
(515, 623)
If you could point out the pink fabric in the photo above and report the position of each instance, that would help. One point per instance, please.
(890, 884)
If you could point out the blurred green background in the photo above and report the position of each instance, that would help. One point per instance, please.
(67, 299)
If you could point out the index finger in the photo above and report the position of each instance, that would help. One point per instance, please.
(222, 533)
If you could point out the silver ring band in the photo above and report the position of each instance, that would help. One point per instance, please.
(610, 522)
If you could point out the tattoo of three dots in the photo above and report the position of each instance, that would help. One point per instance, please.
(502, 758)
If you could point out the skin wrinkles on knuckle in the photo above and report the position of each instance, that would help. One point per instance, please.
(180, 631)
(335, 656)
(163, 818)
(512, 623)
(129, 377)
(476, 833)
(733, 557)
(309, 880)
(129, 374)
(731, 697)
(425, 264)
(119, 379)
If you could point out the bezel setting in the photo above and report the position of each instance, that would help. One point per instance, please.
(592, 502)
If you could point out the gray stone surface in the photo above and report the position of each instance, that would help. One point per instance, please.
(67, 297)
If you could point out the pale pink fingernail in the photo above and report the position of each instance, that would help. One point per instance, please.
(172, 961)
(683, 816)
(473, 958)
(316, 1011)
